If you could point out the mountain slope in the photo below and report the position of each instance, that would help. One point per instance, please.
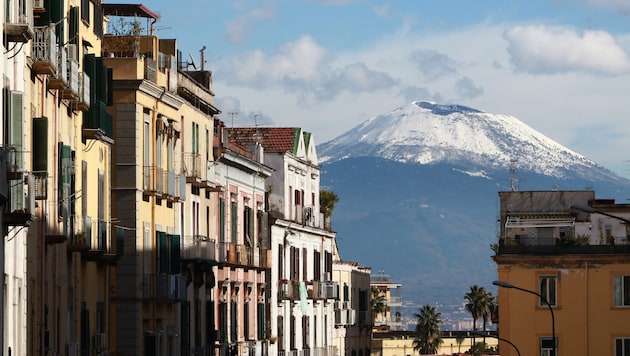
(419, 199)
(426, 133)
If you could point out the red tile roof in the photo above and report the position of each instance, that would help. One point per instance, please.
(273, 139)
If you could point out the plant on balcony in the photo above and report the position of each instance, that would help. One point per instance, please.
(123, 39)
(570, 240)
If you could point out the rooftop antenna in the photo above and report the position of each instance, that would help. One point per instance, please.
(513, 170)
(232, 114)
(191, 63)
(202, 56)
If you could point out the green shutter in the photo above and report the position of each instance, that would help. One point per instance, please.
(40, 144)
(17, 127)
(162, 252)
(57, 16)
(223, 318)
(73, 22)
(246, 320)
(221, 220)
(234, 320)
(233, 218)
(175, 254)
(261, 321)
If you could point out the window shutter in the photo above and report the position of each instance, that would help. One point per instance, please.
(17, 119)
(175, 254)
(40, 145)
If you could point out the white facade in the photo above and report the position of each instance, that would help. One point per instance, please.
(13, 248)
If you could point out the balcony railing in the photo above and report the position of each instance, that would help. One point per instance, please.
(19, 209)
(242, 255)
(201, 248)
(153, 182)
(164, 287)
(44, 54)
(18, 25)
(345, 317)
(60, 79)
(71, 92)
(82, 100)
(192, 167)
(517, 249)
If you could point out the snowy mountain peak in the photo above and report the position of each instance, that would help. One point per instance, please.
(425, 132)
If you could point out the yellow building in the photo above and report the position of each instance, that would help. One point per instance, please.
(391, 318)
(400, 343)
(566, 250)
(61, 250)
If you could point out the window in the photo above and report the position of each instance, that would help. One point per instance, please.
(546, 346)
(622, 346)
(548, 290)
(621, 291)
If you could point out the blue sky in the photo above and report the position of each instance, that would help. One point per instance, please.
(560, 66)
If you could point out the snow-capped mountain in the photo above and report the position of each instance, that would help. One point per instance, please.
(426, 132)
(418, 193)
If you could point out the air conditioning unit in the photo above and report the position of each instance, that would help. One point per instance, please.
(100, 341)
(38, 4)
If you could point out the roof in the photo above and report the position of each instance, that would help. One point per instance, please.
(129, 10)
(273, 139)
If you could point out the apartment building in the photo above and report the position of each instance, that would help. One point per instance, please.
(391, 318)
(353, 320)
(60, 246)
(564, 253)
(301, 290)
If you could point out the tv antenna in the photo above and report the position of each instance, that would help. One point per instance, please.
(232, 114)
(191, 63)
(513, 170)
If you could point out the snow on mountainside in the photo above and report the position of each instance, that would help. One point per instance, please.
(425, 132)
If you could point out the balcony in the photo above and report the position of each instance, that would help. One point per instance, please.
(242, 255)
(44, 54)
(97, 123)
(510, 248)
(60, 79)
(175, 186)
(345, 317)
(202, 252)
(71, 91)
(192, 168)
(20, 207)
(82, 241)
(153, 180)
(18, 25)
(165, 288)
(82, 100)
(288, 290)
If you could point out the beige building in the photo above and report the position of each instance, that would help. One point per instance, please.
(567, 253)
(61, 250)
(400, 343)
(353, 320)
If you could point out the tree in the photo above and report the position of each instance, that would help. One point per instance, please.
(428, 338)
(378, 304)
(479, 348)
(479, 303)
(327, 200)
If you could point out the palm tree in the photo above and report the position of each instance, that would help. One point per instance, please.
(428, 338)
(479, 303)
(378, 304)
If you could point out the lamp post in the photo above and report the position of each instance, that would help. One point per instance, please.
(501, 339)
(553, 322)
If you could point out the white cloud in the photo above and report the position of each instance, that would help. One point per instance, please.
(548, 50)
(295, 61)
(433, 64)
(466, 88)
(237, 29)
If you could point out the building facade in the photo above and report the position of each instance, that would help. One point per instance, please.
(569, 251)
(301, 289)
(353, 320)
(391, 318)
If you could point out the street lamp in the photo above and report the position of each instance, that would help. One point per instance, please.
(501, 339)
(553, 322)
